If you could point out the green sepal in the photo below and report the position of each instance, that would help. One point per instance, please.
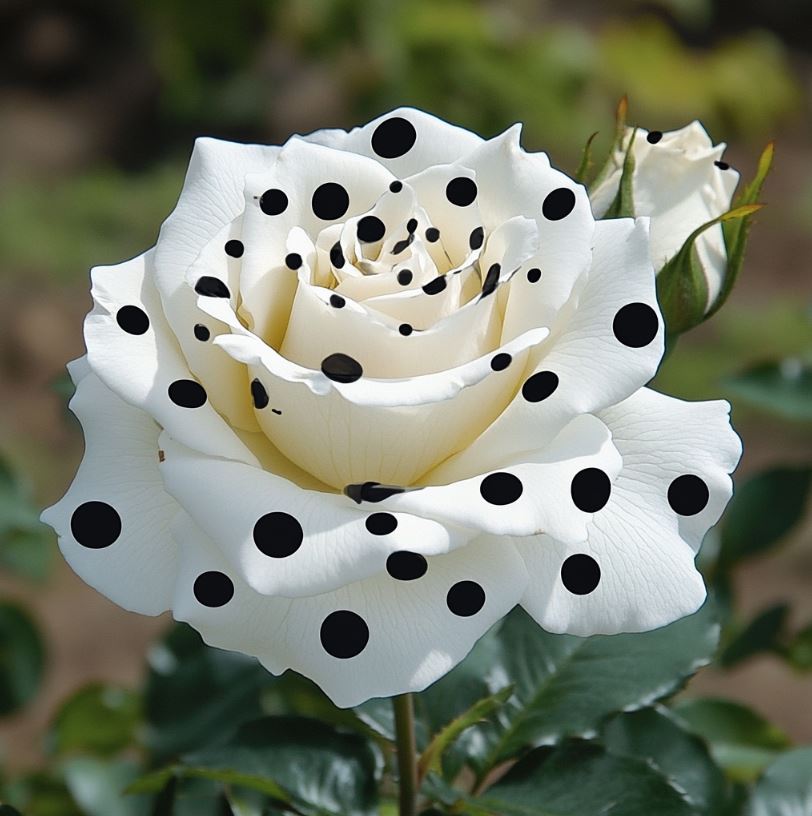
(586, 160)
(623, 205)
(609, 165)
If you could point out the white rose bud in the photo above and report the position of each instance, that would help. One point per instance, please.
(680, 182)
(372, 389)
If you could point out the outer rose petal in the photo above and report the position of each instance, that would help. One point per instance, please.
(409, 632)
(113, 523)
(679, 185)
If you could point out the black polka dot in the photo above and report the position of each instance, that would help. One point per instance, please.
(381, 523)
(371, 491)
(434, 287)
(211, 287)
(406, 566)
(337, 256)
(501, 488)
(393, 137)
(590, 490)
(330, 201)
(635, 325)
(500, 361)
(654, 136)
(465, 598)
(234, 248)
(337, 302)
(259, 395)
(432, 235)
(95, 525)
(411, 225)
(202, 332)
(344, 634)
(405, 329)
(132, 319)
(213, 589)
(558, 204)
(400, 246)
(396, 186)
(341, 368)
(293, 260)
(371, 229)
(722, 165)
(405, 277)
(534, 275)
(491, 280)
(461, 191)
(539, 386)
(273, 202)
(476, 238)
(580, 574)
(688, 495)
(278, 534)
(187, 393)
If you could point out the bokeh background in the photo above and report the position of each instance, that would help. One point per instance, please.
(100, 101)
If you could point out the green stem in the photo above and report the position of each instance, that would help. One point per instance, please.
(407, 753)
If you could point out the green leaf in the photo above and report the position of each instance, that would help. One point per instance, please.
(623, 204)
(98, 787)
(321, 769)
(8, 810)
(763, 510)
(581, 778)
(41, 794)
(741, 741)
(22, 658)
(799, 652)
(98, 719)
(785, 789)
(784, 388)
(763, 634)
(653, 736)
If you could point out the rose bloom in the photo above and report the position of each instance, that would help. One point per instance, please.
(372, 389)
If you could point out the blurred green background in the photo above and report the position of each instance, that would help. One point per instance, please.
(100, 101)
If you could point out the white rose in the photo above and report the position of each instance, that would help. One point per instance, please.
(372, 389)
(681, 182)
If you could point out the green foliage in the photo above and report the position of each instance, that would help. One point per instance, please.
(786, 786)
(22, 657)
(781, 388)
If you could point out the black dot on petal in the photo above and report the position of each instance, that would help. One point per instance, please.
(558, 204)
(132, 319)
(501, 488)
(654, 136)
(534, 275)
(491, 280)
(540, 386)
(370, 229)
(213, 589)
(330, 201)
(393, 137)
(95, 525)
(405, 329)
(344, 634)
(293, 260)
(259, 395)
(406, 566)
(234, 248)
(341, 368)
(337, 256)
(434, 287)
(278, 534)
(590, 490)
(202, 332)
(688, 495)
(411, 225)
(501, 361)
(635, 325)
(476, 238)
(405, 277)
(337, 302)
(396, 186)
(211, 287)
(580, 574)
(465, 598)
(432, 235)
(187, 393)
(381, 523)
(722, 165)
(273, 202)
(461, 191)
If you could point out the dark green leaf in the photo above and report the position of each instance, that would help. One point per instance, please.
(41, 794)
(22, 658)
(653, 736)
(763, 634)
(322, 769)
(785, 789)
(8, 810)
(98, 787)
(763, 510)
(98, 719)
(783, 388)
(799, 652)
(741, 741)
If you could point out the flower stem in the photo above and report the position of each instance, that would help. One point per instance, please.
(407, 753)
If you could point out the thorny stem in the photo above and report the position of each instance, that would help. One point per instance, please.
(407, 753)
